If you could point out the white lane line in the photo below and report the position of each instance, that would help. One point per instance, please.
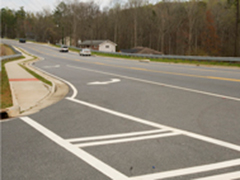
(115, 141)
(156, 125)
(75, 92)
(111, 136)
(160, 84)
(105, 82)
(227, 176)
(187, 171)
(88, 158)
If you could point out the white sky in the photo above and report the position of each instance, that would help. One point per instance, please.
(39, 5)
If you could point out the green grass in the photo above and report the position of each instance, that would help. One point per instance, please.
(36, 75)
(75, 50)
(32, 72)
(34, 57)
(54, 45)
(116, 56)
(180, 61)
(6, 96)
(194, 62)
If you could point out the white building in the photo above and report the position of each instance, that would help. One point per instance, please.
(100, 45)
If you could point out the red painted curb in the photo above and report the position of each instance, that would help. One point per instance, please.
(28, 79)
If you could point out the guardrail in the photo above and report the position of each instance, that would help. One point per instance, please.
(16, 55)
(163, 56)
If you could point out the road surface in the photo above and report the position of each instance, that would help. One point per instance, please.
(124, 119)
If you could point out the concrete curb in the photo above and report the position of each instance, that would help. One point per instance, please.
(58, 90)
(55, 94)
(50, 88)
(15, 109)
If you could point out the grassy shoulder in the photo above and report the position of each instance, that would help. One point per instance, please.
(195, 62)
(180, 61)
(5, 50)
(6, 96)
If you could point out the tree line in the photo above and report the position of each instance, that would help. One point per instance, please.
(194, 27)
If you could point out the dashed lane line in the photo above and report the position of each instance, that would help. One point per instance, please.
(162, 63)
(114, 174)
(158, 84)
(149, 70)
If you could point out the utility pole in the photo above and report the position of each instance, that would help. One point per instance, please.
(62, 36)
(6, 31)
(237, 22)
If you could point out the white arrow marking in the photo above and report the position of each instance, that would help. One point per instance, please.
(105, 82)
(56, 66)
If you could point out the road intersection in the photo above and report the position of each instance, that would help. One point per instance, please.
(148, 125)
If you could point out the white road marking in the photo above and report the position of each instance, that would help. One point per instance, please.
(49, 67)
(113, 173)
(75, 92)
(160, 84)
(187, 171)
(105, 82)
(88, 158)
(115, 135)
(124, 140)
(156, 125)
(227, 176)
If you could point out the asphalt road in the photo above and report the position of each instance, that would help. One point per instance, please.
(125, 119)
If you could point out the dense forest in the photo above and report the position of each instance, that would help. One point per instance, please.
(194, 27)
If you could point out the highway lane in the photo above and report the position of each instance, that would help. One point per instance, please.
(223, 81)
(153, 124)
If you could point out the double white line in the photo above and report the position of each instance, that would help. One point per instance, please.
(160, 133)
(116, 175)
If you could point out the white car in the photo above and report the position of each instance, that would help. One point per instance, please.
(85, 52)
(64, 48)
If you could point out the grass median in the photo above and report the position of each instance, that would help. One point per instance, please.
(36, 75)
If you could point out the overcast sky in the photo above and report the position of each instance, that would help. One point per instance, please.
(38, 5)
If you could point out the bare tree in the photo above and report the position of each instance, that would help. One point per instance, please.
(134, 5)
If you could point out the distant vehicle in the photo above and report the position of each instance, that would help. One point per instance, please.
(22, 40)
(64, 48)
(85, 52)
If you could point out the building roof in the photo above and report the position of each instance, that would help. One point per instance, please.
(141, 50)
(95, 42)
